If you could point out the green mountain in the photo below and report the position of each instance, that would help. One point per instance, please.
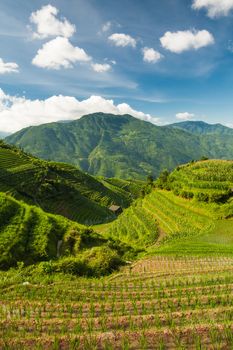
(202, 128)
(121, 146)
(62, 189)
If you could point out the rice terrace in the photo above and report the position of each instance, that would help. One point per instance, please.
(116, 175)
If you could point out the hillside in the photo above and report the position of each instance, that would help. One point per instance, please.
(216, 139)
(29, 235)
(202, 128)
(60, 188)
(207, 181)
(178, 295)
(187, 212)
(120, 146)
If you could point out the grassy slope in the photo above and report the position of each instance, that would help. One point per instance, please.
(120, 146)
(179, 225)
(209, 181)
(30, 235)
(164, 302)
(61, 188)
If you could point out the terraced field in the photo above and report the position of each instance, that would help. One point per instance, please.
(209, 181)
(29, 235)
(157, 303)
(60, 188)
(159, 217)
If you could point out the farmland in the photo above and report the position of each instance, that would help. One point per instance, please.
(60, 188)
(160, 276)
(158, 303)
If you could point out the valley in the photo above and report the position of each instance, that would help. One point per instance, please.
(156, 276)
(116, 175)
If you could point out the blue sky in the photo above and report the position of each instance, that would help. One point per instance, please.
(194, 83)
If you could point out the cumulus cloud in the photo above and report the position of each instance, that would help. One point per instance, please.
(8, 67)
(215, 8)
(19, 112)
(59, 53)
(185, 116)
(101, 68)
(150, 55)
(120, 39)
(47, 24)
(180, 41)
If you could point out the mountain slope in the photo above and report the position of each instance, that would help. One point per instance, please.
(209, 181)
(202, 128)
(28, 234)
(216, 139)
(191, 215)
(119, 146)
(60, 188)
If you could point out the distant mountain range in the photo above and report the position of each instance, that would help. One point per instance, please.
(123, 146)
(202, 128)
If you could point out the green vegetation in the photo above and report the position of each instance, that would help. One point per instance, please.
(29, 235)
(158, 303)
(182, 221)
(55, 288)
(62, 189)
(40, 243)
(208, 181)
(122, 146)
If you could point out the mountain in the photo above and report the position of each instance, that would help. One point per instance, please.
(119, 146)
(62, 189)
(216, 139)
(202, 128)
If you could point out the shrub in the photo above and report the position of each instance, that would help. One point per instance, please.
(187, 194)
(101, 260)
(71, 242)
(71, 265)
(202, 197)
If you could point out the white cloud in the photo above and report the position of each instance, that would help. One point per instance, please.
(180, 41)
(120, 39)
(215, 8)
(185, 116)
(19, 112)
(101, 68)
(150, 55)
(106, 27)
(48, 25)
(59, 53)
(229, 125)
(8, 67)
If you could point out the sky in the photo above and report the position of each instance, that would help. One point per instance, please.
(161, 61)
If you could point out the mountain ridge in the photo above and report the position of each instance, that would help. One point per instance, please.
(123, 146)
(201, 127)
